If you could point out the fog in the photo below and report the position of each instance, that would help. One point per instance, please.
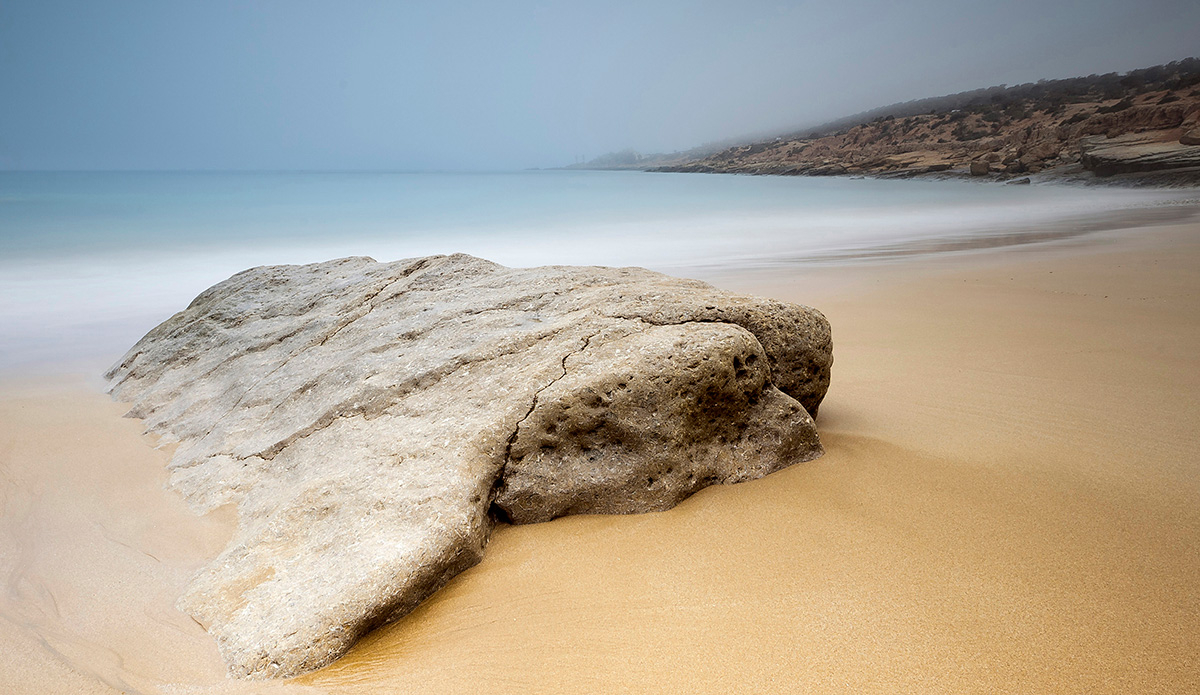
(486, 85)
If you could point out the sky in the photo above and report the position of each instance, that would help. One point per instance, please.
(463, 85)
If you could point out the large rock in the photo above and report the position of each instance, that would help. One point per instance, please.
(372, 420)
(1136, 153)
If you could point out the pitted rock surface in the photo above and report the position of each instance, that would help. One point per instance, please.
(371, 421)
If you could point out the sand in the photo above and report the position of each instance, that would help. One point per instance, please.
(1010, 502)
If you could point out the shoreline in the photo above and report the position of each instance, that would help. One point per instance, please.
(1072, 228)
(1184, 179)
(64, 308)
(1007, 500)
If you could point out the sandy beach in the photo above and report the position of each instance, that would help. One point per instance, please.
(1009, 502)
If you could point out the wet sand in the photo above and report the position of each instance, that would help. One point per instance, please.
(1010, 502)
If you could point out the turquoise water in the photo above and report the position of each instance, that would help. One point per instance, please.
(90, 261)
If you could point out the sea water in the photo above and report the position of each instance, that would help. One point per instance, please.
(89, 261)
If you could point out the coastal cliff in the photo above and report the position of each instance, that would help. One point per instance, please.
(1141, 125)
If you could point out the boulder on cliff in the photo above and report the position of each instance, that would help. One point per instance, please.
(371, 421)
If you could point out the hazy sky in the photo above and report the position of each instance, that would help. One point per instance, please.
(478, 85)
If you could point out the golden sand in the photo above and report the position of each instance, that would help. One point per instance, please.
(93, 552)
(1010, 502)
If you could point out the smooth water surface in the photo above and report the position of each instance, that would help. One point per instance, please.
(89, 261)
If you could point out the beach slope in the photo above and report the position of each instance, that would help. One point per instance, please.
(1008, 503)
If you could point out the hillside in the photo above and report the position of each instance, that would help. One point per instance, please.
(1144, 123)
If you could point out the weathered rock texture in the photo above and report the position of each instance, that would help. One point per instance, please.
(371, 421)
(1137, 153)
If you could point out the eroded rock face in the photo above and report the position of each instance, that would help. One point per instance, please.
(646, 418)
(372, 420)
(1136, 153)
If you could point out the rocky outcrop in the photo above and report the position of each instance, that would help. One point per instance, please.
(1135, 154)
(371, 421)
(1012, 140)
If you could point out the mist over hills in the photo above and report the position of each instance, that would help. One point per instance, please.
(1108, 124)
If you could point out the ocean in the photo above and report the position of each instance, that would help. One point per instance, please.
(89, 261)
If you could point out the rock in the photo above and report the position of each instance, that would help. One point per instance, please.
(827, 170)
(980, 168)
(645, 419)
(1134, 153)
(372, 420)
(1191, 137)
(1134, 120)
(1019, 182)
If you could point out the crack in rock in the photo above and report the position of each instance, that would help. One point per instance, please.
(533, 404)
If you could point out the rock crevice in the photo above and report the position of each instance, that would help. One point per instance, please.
(534, 402)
